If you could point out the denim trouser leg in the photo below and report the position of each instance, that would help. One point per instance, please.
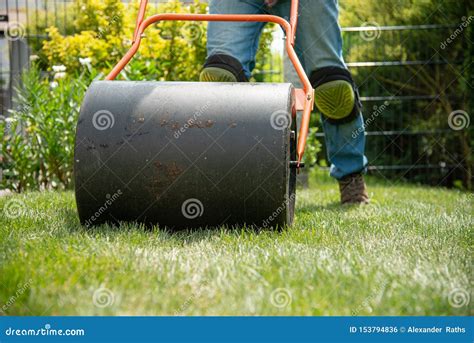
(237, 39)
(318, 44)
(318, 35)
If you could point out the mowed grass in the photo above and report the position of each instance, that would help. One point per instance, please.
(408, 253)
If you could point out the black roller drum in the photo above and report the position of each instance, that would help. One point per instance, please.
(185, 154)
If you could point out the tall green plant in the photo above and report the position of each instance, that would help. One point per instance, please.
(38, 136)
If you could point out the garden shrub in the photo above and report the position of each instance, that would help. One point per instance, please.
(169, 51)
(37, 139)
(64, 50)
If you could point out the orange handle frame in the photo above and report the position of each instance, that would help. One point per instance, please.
(304, 97)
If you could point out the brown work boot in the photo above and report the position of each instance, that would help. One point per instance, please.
(353, 189)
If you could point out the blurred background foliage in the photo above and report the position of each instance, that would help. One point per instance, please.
(87, 37)
(103, 31)
(73, 55)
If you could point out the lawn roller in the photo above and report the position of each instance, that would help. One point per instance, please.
(190, 154)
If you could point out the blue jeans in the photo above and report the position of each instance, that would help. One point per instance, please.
(318, 44)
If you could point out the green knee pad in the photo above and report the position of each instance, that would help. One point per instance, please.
(335, 99)
(335, 94)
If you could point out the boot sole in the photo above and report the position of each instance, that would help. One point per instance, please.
(213, 74)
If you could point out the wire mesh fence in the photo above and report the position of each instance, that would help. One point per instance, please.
(409, 82)
(411, 90)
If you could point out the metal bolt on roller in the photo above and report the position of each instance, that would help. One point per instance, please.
(186, 154)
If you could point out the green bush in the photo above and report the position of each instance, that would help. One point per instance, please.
(170, 50)
(38, 136)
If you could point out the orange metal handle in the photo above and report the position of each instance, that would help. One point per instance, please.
(304, 96)
(293, 17)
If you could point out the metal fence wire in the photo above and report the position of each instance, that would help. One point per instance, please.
(410, 103)
(409, 99)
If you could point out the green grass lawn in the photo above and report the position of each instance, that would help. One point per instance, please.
(408, 253)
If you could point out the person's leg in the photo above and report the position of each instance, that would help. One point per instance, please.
(319, 47)
(318, 35)
(232, 46)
